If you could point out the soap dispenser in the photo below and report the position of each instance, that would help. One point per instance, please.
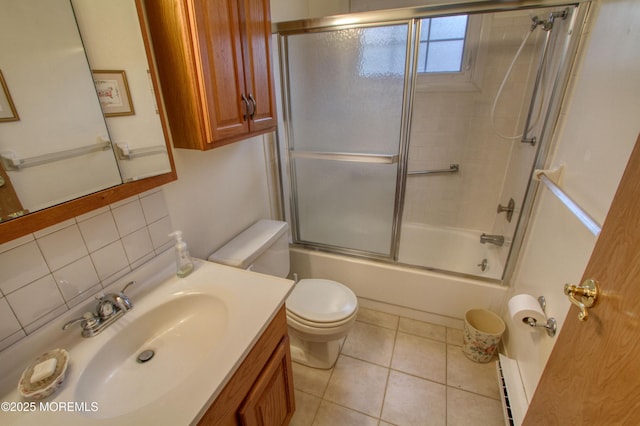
(184, 264)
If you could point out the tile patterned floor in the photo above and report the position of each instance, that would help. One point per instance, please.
(398, 371)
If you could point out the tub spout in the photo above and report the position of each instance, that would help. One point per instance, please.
(497, 240)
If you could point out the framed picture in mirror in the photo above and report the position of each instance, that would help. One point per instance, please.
(113, 92)
(7, 108)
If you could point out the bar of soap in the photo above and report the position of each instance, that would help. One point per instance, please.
(43, 370)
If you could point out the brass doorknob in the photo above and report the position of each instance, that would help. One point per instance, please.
(583, 296)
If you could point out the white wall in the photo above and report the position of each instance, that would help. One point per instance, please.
(367, 5)
(218, 193)
(598, 130)
(290, 10)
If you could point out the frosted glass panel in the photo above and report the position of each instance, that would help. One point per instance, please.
(348, 205)
(346, 92)
(346, 89)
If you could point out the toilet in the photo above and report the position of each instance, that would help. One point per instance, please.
(320, 312)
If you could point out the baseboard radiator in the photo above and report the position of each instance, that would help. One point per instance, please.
(514, 398)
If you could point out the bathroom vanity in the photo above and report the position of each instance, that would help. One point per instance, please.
(221, 354)
(261, 390)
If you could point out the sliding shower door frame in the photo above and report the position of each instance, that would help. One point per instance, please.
(412, 17)
(401, 158)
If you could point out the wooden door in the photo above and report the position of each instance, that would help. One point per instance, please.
(222, 63)
(257, 61)
(593, 374)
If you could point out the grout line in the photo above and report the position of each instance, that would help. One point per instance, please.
(346, 408)
(386, 386)
(474, 393)
(389, 370)
(446, 379)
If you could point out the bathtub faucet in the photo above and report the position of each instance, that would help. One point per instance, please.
(498, 240)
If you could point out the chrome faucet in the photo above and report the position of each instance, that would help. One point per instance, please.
(110, 307)
(497, 240)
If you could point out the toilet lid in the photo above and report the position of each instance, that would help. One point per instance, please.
(321, 300)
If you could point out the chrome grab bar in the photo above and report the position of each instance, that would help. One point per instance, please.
(123, 152)
(453, 168)
(574, 208)
(145, 175)
(347, 156)
(11, 162)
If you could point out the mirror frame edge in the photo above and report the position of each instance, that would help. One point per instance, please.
(32, 222)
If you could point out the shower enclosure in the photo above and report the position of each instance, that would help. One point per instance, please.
(411, 134)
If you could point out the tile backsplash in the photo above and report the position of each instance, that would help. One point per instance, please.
(44, 274)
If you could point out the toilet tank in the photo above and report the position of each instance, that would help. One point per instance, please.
(263, 247)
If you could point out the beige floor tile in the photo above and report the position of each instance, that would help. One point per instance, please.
(423, 329)
(465, 374)
(381, 319)
(430, 381)
(331, 414)
(421, 357)
(310, 380)
(410, 400)
(306, 409)
(465, 408)
(454, 336)
(358, 385)
(370, 343)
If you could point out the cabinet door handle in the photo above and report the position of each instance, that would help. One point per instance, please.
(246, 106)
(254, 107)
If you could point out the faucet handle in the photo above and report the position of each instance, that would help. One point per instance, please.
(105, 307)
(88, 320)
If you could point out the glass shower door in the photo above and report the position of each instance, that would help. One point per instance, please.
(345, 109)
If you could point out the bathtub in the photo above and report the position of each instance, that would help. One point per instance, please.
(449, 249)
(410, 292)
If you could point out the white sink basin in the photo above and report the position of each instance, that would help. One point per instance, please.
(200, 328)
(181, 333)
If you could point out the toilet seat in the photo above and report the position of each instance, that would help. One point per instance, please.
(293, 318)
(321, 303)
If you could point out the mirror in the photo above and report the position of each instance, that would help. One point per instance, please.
(60, 155)
(110, 32)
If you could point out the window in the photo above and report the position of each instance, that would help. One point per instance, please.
(442, 43)
(449, 56)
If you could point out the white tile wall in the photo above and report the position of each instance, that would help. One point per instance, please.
(46, 273)
(454, 127)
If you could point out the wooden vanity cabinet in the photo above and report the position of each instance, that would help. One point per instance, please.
(214, 64)
(261, 390)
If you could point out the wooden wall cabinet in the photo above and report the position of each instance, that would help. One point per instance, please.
(214, 63)
(261, 390)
